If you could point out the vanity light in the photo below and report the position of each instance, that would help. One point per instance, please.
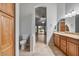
(73, 13)
(68, 15)
(77, 12)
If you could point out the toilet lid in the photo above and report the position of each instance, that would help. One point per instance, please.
(22, 41)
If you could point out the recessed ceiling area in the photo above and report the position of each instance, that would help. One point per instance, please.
(40, 12)
(40, 16)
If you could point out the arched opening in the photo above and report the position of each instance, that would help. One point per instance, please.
(40, 24)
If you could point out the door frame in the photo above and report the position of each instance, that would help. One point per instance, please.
(41, 5)
(16, 29)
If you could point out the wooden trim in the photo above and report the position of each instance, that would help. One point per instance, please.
(14, 29)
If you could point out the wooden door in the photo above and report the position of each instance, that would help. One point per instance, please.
(0, 33)
(12, 34)
(1, 6)
(7, 8)
(6, 29)
(7, 35)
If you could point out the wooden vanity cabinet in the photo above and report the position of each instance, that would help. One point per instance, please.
(63, 44)
(57, 40)
(68, 45)
(72, 47)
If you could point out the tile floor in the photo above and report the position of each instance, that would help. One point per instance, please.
(57, 52)
(41, 49)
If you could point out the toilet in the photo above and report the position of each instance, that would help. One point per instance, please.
(23, 41)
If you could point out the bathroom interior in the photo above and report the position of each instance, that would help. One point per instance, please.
(64, 39)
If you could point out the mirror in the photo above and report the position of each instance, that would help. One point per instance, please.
(69, 24)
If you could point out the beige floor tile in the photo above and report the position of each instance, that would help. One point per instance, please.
(41, 49)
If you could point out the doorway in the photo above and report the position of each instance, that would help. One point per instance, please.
(40, 24)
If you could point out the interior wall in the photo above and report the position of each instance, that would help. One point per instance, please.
(60, 13)
(27, 15)
(26, 25)
(25, 20)
(51, 20)
(60, 10)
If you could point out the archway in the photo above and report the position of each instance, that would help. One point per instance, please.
(40, 24)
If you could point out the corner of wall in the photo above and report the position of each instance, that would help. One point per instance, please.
(17, 30)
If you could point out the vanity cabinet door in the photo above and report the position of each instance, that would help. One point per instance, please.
(63, 44)
(72, 48)
(78, 50)
(57, 40)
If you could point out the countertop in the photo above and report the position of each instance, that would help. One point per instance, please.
(72, 35)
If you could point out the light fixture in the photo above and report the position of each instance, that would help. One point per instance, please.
(73, 13)
(43, 22)
(77, 12)
(68, 15)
